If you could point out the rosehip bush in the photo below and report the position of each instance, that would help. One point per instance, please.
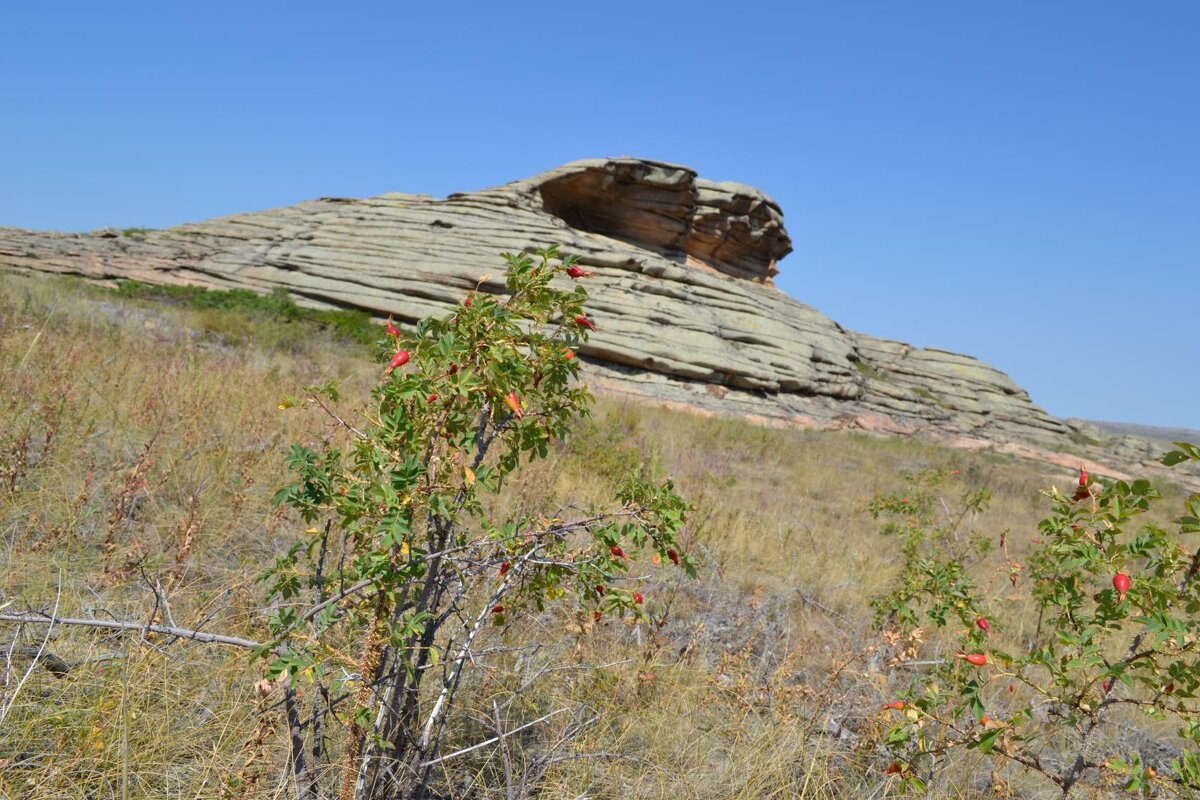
(1105, 627)
(382, 604)
(936, 553)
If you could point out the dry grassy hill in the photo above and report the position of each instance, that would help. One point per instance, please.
(141, 443)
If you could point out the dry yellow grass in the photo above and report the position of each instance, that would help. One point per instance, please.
(142, 444)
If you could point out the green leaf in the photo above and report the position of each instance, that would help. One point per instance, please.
(988, 740)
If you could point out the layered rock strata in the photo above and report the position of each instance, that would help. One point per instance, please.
(682, 292)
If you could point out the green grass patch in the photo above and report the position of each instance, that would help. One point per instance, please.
(927, 395)
(278, 306)
(867, 371)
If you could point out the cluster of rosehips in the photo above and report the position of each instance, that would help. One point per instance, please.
(511, 399)
(1120, 581)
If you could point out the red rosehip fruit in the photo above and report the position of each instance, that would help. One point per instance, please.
(1121, 584)
(504, 569)
(671, 554)
(497, 609)
(974, 659)
(398, 360)
(391, 329)
(514, 403)
(583, 322)
(637, 598)
(983, 625)
(617, 551)
(577, 273)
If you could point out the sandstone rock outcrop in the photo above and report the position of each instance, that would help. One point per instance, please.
(682, 292)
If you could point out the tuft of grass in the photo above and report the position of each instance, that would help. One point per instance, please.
(927, 396)
(868, 371)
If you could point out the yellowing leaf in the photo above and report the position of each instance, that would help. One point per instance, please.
(469, 476)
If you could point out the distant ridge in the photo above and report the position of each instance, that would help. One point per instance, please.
(1150, 432)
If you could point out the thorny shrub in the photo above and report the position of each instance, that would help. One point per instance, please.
(386, 599)
(1118, 621)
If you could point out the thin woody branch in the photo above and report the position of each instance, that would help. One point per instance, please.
(204, 637)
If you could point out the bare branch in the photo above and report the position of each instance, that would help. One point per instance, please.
(492, 740)
(359, 434)
(204, 637)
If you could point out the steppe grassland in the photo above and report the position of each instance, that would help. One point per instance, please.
(141, 445)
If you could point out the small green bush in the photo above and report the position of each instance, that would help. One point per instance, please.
(1118, 624)
(278, 306)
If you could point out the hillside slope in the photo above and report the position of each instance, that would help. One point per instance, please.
(141, 446)
(682, 294)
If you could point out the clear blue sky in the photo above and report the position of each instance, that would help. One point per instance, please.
(1019, 181)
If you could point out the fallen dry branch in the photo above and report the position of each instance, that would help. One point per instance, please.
(204, 637)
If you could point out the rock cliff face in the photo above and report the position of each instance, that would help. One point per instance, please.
(682, 294)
